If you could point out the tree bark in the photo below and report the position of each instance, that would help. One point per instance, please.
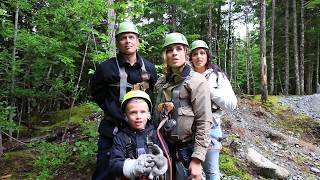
(1, 146)
(13, 80)
(263, 61)
(210, 26)
(74, 95)
(295, 48)
(287, 45)
(317, 64)
(248, 53)
(231, 58)
(317, 83)
(302, 49)
(218, 26)
(309, 77)
(271, 48)
(111, 27)
(227, 47)
(173, 17)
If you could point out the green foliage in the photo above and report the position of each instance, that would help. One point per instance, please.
(313, 4)
(51, 157)
(84, 152)
(5, 111)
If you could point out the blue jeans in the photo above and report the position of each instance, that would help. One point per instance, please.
(211, 164)
(102, 166)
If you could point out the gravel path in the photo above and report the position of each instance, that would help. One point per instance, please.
(308, 105)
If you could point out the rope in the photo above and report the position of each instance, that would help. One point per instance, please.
(13, 138)
(164, 146)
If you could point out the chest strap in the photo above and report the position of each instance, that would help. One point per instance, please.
(124, 78)
(132, 150)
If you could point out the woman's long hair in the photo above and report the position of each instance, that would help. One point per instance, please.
(215, 68)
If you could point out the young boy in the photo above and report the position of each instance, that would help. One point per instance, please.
(135, 152)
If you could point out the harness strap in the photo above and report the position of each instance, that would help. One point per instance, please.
(149, 142)
(124, 78)
(133, 151)
(129, 148)
(176, 100)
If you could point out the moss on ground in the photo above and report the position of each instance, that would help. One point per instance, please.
(77, 157)
(17, 164)
(231, 166)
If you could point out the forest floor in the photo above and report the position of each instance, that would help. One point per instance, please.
(280, 133)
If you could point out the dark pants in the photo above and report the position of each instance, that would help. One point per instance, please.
(181, 157)
(103, 156)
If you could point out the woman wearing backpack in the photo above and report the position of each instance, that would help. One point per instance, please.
(222, 99)
(187, 132)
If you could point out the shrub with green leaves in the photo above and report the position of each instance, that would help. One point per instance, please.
(51, 157)
(5, 111)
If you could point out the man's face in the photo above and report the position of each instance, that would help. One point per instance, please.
(127, 43)
(137, 112)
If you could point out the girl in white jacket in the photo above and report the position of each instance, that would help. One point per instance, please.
(223, 98)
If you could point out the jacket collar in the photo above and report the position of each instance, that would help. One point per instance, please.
(179, 76)
(122, 61)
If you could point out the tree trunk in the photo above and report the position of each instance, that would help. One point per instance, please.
(173, 17)
(317, 64)
(302, 49)
(231, 59)
(263, 61)
(1, 146)
(227, 47)
(111, 27)
(13, 80)
(287, 45)
(309, 78)
(235, 66)
(74, 95)
(271, 49)
(218, 26)
(295, 48)
(317, 83)
(217, 48)
(248, 53)
(210, 26)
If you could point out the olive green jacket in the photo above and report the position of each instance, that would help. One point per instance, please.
(194, 115)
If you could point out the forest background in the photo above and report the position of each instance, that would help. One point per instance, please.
(49, 48)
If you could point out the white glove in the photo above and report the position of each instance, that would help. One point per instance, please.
(161, 163)
(136, 167)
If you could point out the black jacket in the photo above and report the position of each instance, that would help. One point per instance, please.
(119, 152)
(107, 96)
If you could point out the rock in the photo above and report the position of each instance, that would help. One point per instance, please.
(265, 167)
(315, 170)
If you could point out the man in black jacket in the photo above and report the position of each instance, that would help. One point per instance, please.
(112, 79)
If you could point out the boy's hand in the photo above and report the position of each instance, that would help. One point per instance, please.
(161, 163)
(136, 167)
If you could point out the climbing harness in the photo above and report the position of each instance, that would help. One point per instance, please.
(123, 85)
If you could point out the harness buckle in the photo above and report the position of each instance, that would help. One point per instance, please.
(143, 86)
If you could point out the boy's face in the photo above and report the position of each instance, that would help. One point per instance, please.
(137, 112)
